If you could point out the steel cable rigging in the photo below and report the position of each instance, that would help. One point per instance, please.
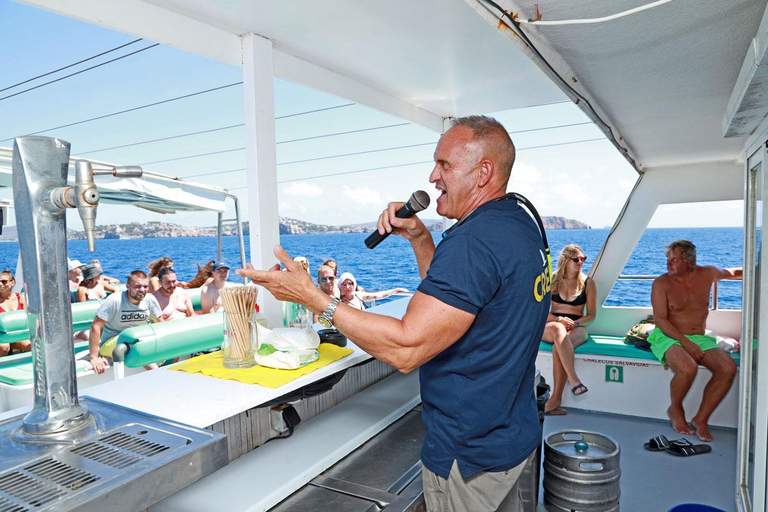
(71, 65)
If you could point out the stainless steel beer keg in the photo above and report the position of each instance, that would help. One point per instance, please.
(581, 472)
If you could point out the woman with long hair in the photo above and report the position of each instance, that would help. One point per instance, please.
(574, 303)
(204, 276)
(155, 267)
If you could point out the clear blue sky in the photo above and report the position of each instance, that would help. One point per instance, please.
(588, 181)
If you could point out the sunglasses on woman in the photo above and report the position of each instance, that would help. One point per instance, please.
(5, 281)
(579, 259)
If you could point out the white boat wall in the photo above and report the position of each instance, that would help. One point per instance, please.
(678, 88)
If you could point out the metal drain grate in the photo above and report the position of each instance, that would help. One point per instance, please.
(113, 463)
(29, 490)
(106, 455)
(37, 485)
(62, 474)
(8, 506)
(133, 444)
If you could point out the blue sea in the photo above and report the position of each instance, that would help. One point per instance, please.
(392, 263)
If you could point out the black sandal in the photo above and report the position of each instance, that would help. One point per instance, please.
(657, 444)
(579, 389)
(684, 448)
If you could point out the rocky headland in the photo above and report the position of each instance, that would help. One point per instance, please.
(287, 227)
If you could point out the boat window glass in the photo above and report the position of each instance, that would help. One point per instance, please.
(758, 228)
(748, 453)
(719, 239)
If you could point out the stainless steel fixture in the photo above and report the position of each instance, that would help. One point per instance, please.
(64, 454)
(41, 195)
(134, 461)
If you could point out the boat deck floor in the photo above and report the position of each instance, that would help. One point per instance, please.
(385, 472)
(657, 481)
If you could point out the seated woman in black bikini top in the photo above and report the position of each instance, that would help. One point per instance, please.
(572, 293)
(580, 300)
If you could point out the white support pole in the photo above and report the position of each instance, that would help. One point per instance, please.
(118, 370)
(261, 161)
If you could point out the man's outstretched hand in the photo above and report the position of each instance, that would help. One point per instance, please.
(293, 284)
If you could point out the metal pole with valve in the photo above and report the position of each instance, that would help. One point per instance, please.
(41, 195)
(61, 456)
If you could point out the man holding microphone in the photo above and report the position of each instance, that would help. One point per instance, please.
(473, 327)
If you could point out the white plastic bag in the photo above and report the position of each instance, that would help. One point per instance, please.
(724, 342)
(287, 348)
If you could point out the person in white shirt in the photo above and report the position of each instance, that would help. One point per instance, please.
(120, 311)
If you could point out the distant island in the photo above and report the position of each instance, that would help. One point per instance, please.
(287, 227)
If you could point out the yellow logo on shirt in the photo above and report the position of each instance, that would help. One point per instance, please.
(542, 284)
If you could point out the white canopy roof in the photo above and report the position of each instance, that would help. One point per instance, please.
(154, 192)
(661, 79)
(419, 60)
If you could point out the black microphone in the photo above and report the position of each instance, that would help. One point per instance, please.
(419, 200)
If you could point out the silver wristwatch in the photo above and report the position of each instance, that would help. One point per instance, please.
(326, 317)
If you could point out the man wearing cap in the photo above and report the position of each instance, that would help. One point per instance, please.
(173, 300)
(131, 308)
(210, 301)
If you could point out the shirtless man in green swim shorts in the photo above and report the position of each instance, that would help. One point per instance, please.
(680, 300)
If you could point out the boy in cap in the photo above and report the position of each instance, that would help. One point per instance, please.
(210, 301)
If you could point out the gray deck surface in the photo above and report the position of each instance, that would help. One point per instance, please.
(657, 481)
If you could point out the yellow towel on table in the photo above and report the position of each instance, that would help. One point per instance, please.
(212, 365)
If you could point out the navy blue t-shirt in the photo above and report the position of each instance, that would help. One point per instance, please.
(479, 403)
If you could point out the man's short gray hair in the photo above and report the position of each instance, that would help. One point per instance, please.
(687, 249)
(488, 129)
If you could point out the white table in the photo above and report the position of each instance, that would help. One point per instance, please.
(201, 401)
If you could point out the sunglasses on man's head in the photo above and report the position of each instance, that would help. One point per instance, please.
(326, 279)
(579, 259)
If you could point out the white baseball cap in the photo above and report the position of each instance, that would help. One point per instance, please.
(73, 264)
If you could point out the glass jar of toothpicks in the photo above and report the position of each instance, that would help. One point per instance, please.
(240, 335)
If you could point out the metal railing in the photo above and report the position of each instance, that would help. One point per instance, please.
(631, 277)
(403, 294)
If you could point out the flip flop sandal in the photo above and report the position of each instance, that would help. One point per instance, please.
(684, 448)
(657, 444)
(579, 389)
(556, 412)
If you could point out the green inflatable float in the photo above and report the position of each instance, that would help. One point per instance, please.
(14, 326)
(152, 343)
